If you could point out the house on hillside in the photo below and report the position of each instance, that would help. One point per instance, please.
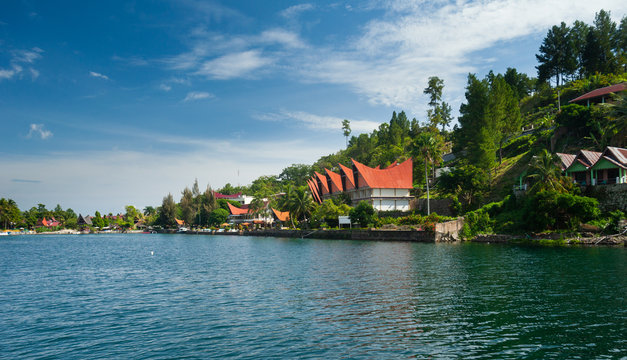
(596, 168)
(385, 189)
(601, 95)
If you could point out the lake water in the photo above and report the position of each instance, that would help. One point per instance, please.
(181, 296)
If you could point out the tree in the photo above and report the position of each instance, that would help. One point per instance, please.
(168, 212)
(440, 111)
(546, 174)
(9, 213)
(131, 213)
(427, 146)
(519, 82)
(476, 133)
(556, 56)
(301, 205)
(579, 35)
(502, 112)
(188, 208)
(346, 128)
(621, 44)
(217, 217)
(363, 214)
(296, 174)
(598, 53)
(468, 182)
(149, 211)
(208, 204)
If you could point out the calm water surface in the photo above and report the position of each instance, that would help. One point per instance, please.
(182, 296)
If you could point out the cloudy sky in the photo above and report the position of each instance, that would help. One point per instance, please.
(114, 103)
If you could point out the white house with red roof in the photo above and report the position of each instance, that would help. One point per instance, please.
(385, 189)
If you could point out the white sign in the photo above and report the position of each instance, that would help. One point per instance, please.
(344, 220)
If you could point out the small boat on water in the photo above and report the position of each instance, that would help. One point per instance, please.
(4, 233)
(183, 229)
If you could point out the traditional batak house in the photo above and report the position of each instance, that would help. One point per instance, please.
(243, 215)
(385, 189)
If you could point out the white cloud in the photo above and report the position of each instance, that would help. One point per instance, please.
(197, 95)
(281, 36)
(38, 130)
(165, 87)
(390, 61)
(34, 73)
(233, 65)
(98, 75)
(296, 10)
(21, 57)
(27, 56)
(9, 73)
(318, 122)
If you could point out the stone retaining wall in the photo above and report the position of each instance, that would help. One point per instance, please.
(611, 197)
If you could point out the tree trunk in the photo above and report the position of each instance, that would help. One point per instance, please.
(427, 182)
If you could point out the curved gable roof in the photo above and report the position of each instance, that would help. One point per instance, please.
(281, 215)
(348, 174)
(236, 211)
(336, 181)
(322, 182)
(397, 177)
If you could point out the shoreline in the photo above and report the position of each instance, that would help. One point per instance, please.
(554, 239)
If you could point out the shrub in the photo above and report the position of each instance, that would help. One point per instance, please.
(550, 210)
(363, 214)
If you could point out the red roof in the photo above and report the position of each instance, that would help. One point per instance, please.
(602, 91)
(322, 182)
(350, 179)
(237, 211)
(223, 196)
(179, 222)
(397, 177)
(281, 215)
(44, 222)
(313, 187)
(336, 181)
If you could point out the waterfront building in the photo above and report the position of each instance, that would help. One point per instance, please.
(385, 189)
(243, 215)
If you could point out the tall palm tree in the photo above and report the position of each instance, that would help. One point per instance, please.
(300, 205)
(546, 173)
(426, 144)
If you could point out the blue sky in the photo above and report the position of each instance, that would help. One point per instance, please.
(107, 104)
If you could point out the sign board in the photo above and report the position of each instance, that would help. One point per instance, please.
(343, 220)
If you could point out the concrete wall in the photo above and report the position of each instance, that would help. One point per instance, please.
(449, 231)
(377, 235)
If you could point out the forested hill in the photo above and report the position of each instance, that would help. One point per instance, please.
(491, 151)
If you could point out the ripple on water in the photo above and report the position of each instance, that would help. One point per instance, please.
(249, 298)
